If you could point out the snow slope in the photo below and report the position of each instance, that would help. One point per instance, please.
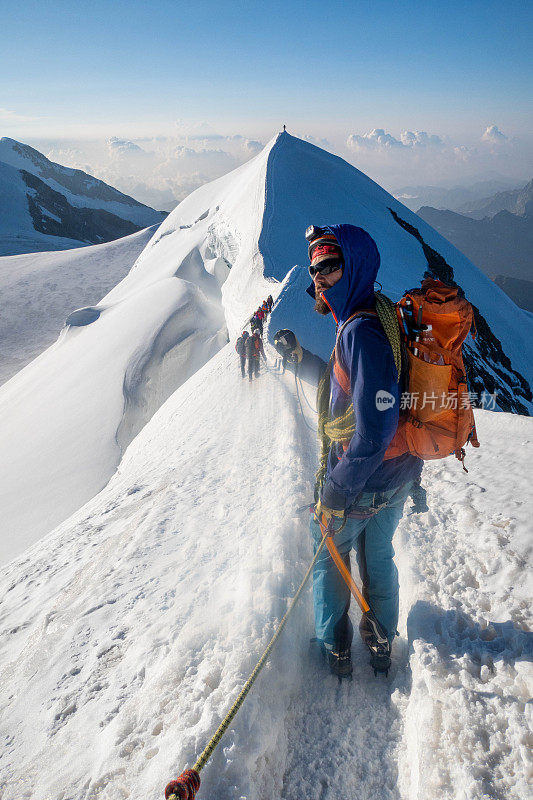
(39, 290)
(221, 251)
(17, 231)
(81, 402)
(128, 632)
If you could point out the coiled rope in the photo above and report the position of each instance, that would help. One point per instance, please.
(188, 783)
(386, 311)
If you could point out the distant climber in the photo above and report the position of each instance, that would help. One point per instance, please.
(260, 316)
(240, 347)
(356, 489)
(270, 303)
(289, 348)
(254, 351)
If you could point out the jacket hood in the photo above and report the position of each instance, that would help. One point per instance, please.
(361, 264)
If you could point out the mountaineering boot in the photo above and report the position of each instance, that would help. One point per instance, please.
(340, 662)
(378, 645)
(380, 659)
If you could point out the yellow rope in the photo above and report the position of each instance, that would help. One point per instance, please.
(386, 310)
(340, 429)
(222, 728)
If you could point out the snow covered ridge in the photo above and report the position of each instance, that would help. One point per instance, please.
(126, 634)
(70, 414)
(45, 206)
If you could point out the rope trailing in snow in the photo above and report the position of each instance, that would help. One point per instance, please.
(303, 393)
(188, 783)
(301, 408)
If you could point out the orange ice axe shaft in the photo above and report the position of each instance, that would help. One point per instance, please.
(343, 569)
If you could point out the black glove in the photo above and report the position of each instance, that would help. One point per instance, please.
(419, 497)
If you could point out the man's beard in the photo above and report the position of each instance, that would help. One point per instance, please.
(321, 307)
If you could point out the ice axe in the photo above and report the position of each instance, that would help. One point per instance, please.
(371, 618)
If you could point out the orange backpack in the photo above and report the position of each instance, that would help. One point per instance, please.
(436, 416)
(438, 419)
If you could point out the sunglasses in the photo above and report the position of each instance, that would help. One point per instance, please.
(325, 268)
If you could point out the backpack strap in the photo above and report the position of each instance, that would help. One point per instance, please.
(341, 374)
(387, 314)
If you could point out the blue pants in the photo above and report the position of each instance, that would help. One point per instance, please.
(371, 536)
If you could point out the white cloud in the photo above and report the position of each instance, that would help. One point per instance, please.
(463, 153)
(189, 160)
(423, 158)
(159, 171)
(162, 170)
(420, 139)
(319, 141)
(123, 146)
(493, 135)
(252, 146)
(378, 139)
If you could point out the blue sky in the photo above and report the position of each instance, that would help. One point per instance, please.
(451, 69)
(409, 92)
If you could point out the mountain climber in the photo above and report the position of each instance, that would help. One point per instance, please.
(240, 346)
(289, 349)
(260, 316)
(358, 492)
(270, 303)
(254, 350)
(264, 306)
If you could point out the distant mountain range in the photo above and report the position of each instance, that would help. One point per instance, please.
(516, 201)
(457, 198)
(45, 206)
(497, 235)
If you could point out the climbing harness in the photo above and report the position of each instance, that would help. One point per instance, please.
(188, 783)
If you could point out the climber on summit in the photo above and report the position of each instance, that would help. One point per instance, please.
(357, 492)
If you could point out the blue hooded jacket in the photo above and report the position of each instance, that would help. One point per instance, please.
(367, 357)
